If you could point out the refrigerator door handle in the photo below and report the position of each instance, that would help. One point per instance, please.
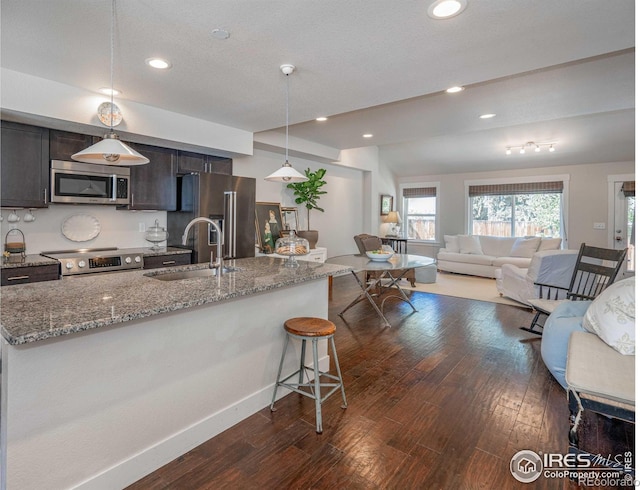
(230, 229)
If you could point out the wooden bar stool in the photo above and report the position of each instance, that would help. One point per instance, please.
(314, 329)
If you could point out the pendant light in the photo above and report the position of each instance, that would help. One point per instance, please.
(286, 173)
(111, 151)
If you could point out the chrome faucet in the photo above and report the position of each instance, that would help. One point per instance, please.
(218, 263)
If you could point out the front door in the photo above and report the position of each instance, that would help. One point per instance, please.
(624, 221)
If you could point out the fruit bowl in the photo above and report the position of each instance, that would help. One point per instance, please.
(379, 255)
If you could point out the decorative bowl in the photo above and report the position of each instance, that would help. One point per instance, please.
(379, 255)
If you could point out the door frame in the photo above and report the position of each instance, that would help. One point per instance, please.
(611, 184)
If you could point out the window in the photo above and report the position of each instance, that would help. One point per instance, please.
(420, 206)
(519, 209)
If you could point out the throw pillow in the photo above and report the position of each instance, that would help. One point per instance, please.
(612, 316)
(525, 247)
(469, 244)
(451, 243)
(549, 244)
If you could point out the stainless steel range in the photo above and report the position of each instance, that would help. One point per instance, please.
(93, 260)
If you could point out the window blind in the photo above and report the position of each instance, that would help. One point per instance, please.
(520, 188)
(419, 192)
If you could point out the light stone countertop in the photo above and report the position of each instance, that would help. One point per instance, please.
(30, 260)
(38, 311)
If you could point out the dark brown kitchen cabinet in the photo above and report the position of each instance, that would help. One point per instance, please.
(24, 166)
(63, 144)
(189, 162)
(218, 165)
(153, 185)
(170, 260)
(23, 275)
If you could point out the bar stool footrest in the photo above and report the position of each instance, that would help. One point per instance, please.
(311, 385)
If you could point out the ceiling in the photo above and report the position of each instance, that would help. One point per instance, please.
(552, 71)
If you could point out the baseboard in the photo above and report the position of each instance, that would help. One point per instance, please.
(136, 467)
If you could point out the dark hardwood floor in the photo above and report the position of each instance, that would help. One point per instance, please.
(441, 400)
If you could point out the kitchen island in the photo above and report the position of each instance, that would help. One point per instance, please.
(107, 377)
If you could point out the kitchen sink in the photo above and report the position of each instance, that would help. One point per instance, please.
(191, 274)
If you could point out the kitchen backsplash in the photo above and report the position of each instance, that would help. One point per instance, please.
(122, 229)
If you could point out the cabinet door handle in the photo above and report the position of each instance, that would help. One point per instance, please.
(168, 262)
(45, 195)
(17, 278)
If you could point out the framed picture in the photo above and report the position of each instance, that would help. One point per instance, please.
(268, 225)
(386, 204)
(290, 219)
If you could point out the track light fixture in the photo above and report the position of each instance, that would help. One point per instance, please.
(531, 145)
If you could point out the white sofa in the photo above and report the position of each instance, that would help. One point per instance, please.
(551, 267)
(481, 255)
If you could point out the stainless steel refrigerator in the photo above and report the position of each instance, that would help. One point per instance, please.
(228, 200)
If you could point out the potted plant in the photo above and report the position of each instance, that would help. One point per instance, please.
(308, 193)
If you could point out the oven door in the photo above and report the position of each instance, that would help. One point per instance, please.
(75, 183)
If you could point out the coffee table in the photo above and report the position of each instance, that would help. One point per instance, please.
(399, 262)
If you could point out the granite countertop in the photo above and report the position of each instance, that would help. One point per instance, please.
(37, 311)
(32, 260)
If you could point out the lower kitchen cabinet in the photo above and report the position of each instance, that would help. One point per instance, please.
(23, 275)
(157, 261)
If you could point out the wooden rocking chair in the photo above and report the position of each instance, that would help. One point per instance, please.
(595, 270)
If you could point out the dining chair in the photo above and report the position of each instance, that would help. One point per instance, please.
(595, 270)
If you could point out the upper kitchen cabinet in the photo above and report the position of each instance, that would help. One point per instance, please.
(189, 162)
(63, 144)
(153, 185)
(24, 166)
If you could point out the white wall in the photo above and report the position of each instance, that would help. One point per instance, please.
(588, 199)
(343, 203)
(117, 228)
(32, 95)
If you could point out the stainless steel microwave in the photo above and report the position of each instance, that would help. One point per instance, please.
(87, 183)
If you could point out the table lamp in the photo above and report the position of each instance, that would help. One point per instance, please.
(394, 218)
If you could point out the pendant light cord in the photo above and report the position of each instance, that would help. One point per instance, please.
(113, 21)
(286, 138)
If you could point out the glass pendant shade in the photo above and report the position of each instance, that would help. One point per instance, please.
(286, 173)
(110, 151)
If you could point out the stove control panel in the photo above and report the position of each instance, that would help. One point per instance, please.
(106, 263)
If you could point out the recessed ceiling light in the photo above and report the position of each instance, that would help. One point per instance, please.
(445, 9)
(454, 90)
(108, 91)
(367, 135)
(321, 119)
(220, 34)
(487, 116)
(158, 63)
